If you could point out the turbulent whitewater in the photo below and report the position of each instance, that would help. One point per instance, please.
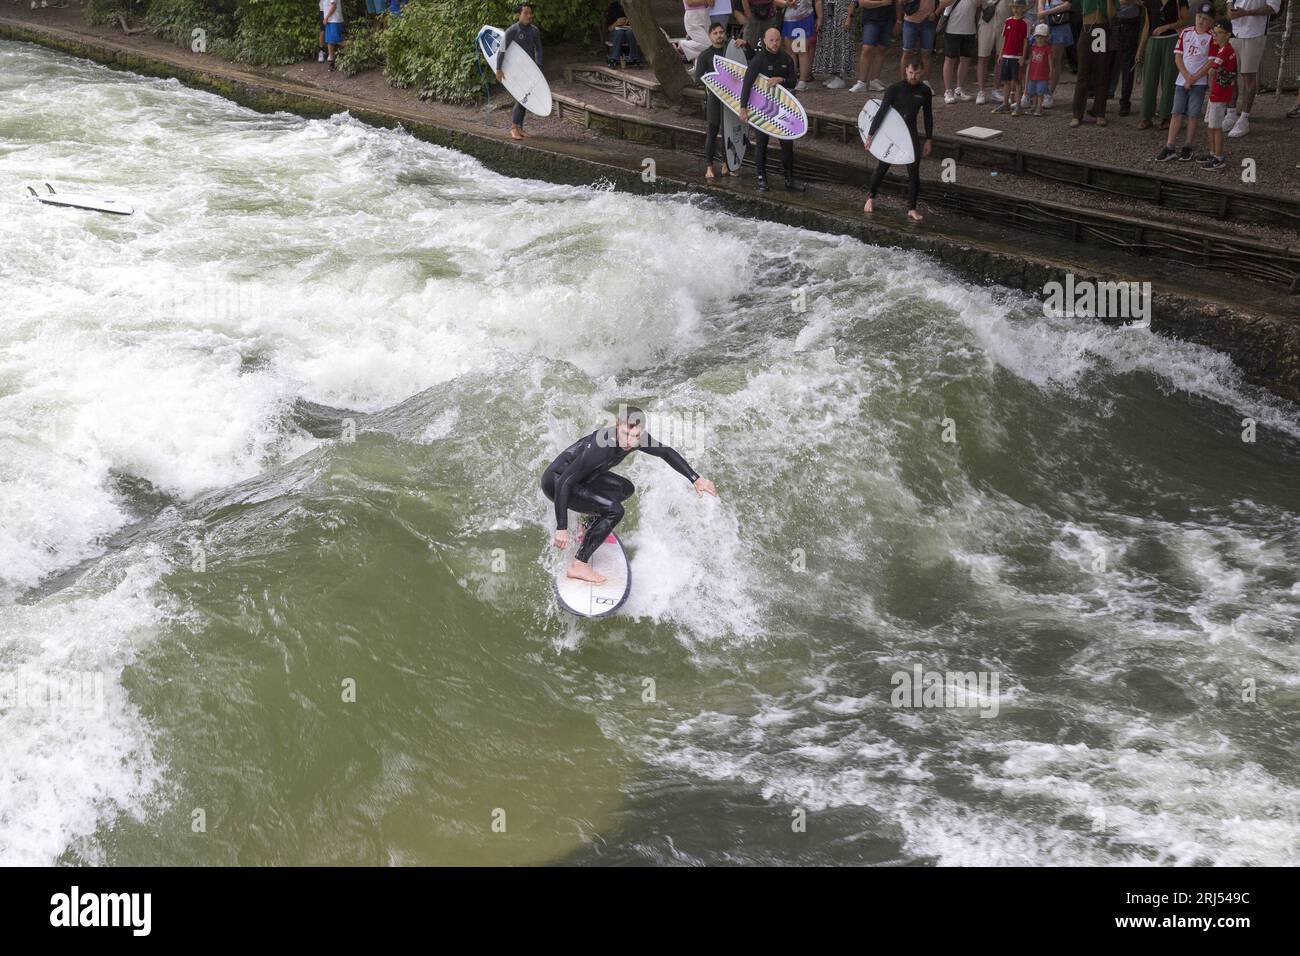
(274, 576)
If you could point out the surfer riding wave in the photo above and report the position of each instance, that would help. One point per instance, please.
(580, 479)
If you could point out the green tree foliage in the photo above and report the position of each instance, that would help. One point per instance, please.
(430, 47)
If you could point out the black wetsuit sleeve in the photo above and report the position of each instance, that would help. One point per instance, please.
(929, 114)
(668, 454)
(704, 64)
(750, 73)
(511, 32)
(886, 104)
(588, 459)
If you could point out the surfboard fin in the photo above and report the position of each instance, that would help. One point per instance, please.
(50, 188)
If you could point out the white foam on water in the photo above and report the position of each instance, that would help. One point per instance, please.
(73, 760)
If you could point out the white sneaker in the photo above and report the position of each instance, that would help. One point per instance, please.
(949, 98)
(979, 98)
(1230, 118)
(1024, 102)
(1048, 102)
(858, 87)
(963, 95)
(835, 83)
(875, 86)
(1241, 127)
(997, 97)
(801, 86)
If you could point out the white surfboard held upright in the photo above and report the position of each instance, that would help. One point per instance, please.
(893, 141)
(523, 78)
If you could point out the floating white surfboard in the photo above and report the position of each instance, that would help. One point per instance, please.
(893, 142)
(734, 138)
(81, 201)
(523, 78)
(597, 600)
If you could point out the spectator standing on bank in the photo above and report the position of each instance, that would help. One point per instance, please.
(695, 19)
(332, 10)
(1223, 83)
(836, 53)
(1015, 53)
(1038, 75)
(1192, 57)
(1132, 18)
(959, 46)
(878, 19)
(1249, 23)
(1096, 52)
(919, 25)
(988, 37)
(1155, 58)
(799, 29)
(1056, 15)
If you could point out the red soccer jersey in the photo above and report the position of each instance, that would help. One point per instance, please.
(1039, 65)
(1221, 86)
(1013, 37)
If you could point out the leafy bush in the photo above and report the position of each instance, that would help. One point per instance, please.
(271, 32)
(431, 45)
(176, 20)
(99, 12)
(363, 50)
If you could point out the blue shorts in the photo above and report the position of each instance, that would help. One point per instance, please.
(376, 6)
(334, 33)
(918, 36)
(1190, 103)
(1062, 35)
(877, 32)
(1036, 88)
(395, 7)
(807, 27)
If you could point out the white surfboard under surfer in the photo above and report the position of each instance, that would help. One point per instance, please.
(579, 479)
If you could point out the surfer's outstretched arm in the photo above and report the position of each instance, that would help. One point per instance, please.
(678, 464)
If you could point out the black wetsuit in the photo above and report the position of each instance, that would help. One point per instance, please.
(781, 66)
(907, 100)
(712, 105)
(579, 479)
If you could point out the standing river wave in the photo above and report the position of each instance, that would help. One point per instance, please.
(279, 434)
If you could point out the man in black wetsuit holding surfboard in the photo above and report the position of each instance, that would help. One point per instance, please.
(907, 97)
(580, 479)
(775, 67)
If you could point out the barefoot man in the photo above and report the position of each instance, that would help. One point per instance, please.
(908, 97)
(580, 479)
(529, 39)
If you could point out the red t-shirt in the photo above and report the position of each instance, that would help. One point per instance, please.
(1222, 82)
(1013, 37)
(1039, 65)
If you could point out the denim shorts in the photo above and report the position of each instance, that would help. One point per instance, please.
(918, 36)
(1036, 88)
(1062, 35)
(877, 32)
(808, 25)
(1190, 103)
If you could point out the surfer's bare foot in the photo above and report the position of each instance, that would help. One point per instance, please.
(733, 172)
(581, 571)
(913, 215)
(516, 133)
(709, 174)
(869, 206)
